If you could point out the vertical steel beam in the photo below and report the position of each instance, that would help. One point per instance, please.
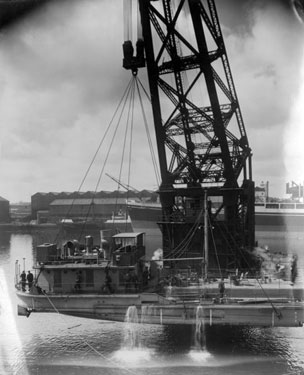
(205, 65)
(153, 76)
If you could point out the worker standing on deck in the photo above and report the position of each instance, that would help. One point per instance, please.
(30, 279)
(23, 280)
(145, 277)
(134, 280)
(128, 280)
(293, 269)
(78, 281)
(221, 287)
(108, 281)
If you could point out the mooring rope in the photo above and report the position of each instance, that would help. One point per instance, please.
(87, 343)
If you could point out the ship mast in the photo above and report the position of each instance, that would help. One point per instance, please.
(201, 138)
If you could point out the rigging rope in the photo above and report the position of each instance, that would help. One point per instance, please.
(154, 159)
(109, 148)
(134, 85)
(179, 250)
(135, 89)
(130, 111)
(97, 151)
(130, 153)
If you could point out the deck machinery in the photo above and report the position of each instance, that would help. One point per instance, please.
(201, 139)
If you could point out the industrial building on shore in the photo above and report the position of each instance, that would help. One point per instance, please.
(4, 210)
(53, 207)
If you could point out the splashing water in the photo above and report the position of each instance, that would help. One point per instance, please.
(199, 355)
(132, 356)
(147, 313)
(133, 350)
(131, 331)
(199, 335)
(131, 315)
(199, 352)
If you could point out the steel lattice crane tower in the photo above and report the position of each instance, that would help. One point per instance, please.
(202, 144)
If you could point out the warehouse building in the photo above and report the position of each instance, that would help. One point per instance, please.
(42, 201)
(55, 206)
(84, 208)
(4, 210)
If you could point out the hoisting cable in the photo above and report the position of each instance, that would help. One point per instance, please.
(180, 248)
(130, 125)
(112, 140)
(185, 244)
(154, 161)
(144, 90)
(129, 116)
(97, 151)
(159, 178)
(130, 158)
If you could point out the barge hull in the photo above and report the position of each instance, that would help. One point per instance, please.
(155, 309)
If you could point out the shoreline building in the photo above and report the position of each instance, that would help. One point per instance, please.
(83, 208)
(4, 210)
(54, 207)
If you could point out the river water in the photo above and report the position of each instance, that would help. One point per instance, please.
(46, 344)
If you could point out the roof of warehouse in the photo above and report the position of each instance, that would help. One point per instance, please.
(87, 201)
(128, 235)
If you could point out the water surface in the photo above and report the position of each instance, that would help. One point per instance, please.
(52, 343)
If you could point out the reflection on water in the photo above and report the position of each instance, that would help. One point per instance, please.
(12, 356)
(56, 344)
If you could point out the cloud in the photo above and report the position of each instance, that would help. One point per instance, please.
(61, 78)
(294, 135)
(266, 62)
(59, 67)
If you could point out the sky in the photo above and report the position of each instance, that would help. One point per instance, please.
(61, 79)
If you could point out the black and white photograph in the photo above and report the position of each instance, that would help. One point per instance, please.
(151, 187)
